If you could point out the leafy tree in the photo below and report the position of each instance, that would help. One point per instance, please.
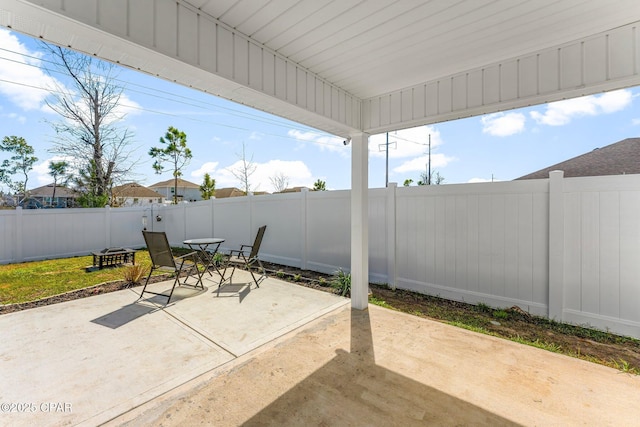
(244, 171)
(20, 162)
(280, 182)
(87, 131)
(175, 152)
(85, 183)
(319, 185)
(57, 170)
(208, 187)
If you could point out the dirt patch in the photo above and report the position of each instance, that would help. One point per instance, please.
(513, 323)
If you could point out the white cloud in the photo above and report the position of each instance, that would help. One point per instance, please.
(17, 117)
(323, 141)
(208, 167)
(419, 164)
(296, 171)
(22, 69)
(503, 124)
(405, 143)
(562, 112)
(40, 171)
(255, 136)
(476, 180)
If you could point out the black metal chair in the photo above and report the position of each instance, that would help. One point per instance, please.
(162, 257)
(247, 259)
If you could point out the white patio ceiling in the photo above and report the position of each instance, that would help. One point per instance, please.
(357, 65)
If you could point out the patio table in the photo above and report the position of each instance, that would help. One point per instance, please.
(206, 249)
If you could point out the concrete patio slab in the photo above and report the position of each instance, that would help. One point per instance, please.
(379, 367)
(87, 361)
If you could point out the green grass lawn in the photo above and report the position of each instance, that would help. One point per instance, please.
(30, 281)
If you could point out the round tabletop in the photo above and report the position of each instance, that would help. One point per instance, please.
(204, 241)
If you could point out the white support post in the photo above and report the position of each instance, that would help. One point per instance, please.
(359, 221)
(556, 245)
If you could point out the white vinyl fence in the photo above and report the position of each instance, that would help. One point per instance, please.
(566, 248)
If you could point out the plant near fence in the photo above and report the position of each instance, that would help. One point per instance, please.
(342, 283)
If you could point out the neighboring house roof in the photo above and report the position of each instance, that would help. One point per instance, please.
(221, 193)
(133, 189)
(47, 191)
(182, 183)
(620, 158)
(295, 189)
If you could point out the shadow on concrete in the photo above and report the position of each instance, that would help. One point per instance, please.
(139, 308)
(352, 390)
(124, 315)
(229, 290)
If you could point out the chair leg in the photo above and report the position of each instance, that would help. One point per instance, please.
(146, 283)
(177, 281)
(144, 289)
(263, 272)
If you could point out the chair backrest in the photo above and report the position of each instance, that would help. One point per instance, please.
(257, 242)
(159, 249)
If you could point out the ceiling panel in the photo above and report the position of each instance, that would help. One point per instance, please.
(369, 47)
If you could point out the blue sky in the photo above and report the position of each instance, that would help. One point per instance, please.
(500, 146)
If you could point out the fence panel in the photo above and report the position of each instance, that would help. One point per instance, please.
(8, 239)
(378, 234)
(125, 228)
(474, 242)
(329, 231)
(232, 221)
(283, 242)
(602, 247)
(488, 243)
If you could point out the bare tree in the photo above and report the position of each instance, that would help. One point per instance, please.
(280, 182)
(244, 171)
(434, 179)
(88, 130)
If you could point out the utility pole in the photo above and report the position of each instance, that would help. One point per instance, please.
(386, 145)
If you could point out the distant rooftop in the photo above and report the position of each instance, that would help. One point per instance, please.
(182, 183)
(133, 189)
(620, 158)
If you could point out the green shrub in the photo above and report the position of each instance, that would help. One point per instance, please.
(500, 314)
(342, 283)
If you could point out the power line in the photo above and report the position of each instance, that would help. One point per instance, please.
(173, 98)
